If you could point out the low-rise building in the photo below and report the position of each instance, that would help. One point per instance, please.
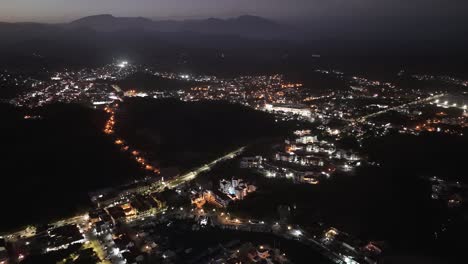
(236, 189)
(292, 109)
(219, 200)
(251, 162)
(64, 236)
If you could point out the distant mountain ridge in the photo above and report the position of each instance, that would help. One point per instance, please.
(242, 44)
(242, 26)
(109, 23)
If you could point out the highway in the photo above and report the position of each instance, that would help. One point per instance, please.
(193, 174)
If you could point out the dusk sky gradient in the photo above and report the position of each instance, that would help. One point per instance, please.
(67, 10)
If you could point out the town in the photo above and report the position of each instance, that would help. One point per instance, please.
(126, 224)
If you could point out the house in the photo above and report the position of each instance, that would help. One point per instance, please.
(236, 189)
(251, 162)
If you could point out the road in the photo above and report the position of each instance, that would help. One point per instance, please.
(287, 232)
(81, 219)
(192, 175)
(431, 98)
(226, 221)
(187, 177)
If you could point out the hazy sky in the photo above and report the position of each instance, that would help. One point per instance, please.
(66, 10)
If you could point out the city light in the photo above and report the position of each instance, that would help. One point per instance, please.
(297, 233)
(313, 150)
(123, 64)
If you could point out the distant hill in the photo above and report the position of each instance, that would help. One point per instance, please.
(243, 26)
(109, 23)
(245, 44)
(208, 44)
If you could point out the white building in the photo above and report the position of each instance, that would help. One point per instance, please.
(294, 109)
(306, 139)
(251, 162)
(236, 189)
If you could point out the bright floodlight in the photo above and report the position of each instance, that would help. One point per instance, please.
(297, 233)
(123, 64)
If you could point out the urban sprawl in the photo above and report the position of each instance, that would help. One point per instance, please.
(121, 226)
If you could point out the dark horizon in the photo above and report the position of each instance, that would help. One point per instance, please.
(51, 11)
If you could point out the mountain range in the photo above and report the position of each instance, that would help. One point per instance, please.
(243, 26)
(247, 26)
(246, 42)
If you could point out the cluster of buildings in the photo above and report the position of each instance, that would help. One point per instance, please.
(350, 250)
(135, 207)
(454, 194)
(304, 158)
(300, 110)
(120, 247)
(236, 189)
(229, 191)
(443, 78)
(249, 253)
(94, 237)
(84, 86)
(442, 114)
(45, 240)
(356, 107)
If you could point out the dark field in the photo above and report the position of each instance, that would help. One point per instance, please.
(50, 165)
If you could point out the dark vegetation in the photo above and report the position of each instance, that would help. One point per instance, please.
(50, 165)
(188, 134)
(429, 154)
(391, 202)
(242, 45)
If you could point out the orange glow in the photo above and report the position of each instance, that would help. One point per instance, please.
(109, 129)
(291, 85)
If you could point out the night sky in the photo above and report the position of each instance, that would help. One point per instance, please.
(67, 10)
